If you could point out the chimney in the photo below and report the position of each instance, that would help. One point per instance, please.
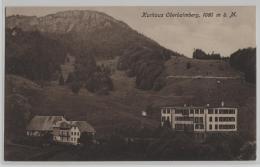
(222, 103)
(207, 105)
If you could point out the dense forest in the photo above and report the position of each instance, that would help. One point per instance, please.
(146, 65)
(244, 60)
(32, 55)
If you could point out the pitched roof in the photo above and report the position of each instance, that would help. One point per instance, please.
(62, 124)
(43, 123)
(83, 126)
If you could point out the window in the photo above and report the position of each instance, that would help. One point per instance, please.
(199, 126)
(201, 111)
(216, 119)
(210, 126)
(163, 119)
(216, 126)
(163, 111)
(185, 112)
(210, 119)
(178, 111)
(196, 111)
(201, 119)
(78, 133)
(232, 111)
(71, 133)
(210, 111)
(191, 111)
(196, 120)
(216, 111)
(223, 111)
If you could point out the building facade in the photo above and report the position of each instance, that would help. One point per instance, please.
(70, 131)
(62, 131)
(200, 119)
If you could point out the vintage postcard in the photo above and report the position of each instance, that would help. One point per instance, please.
(130, 83)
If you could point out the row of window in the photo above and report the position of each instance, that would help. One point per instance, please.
(227, 119)
(73, 139)
(75, 133)
(227, 126)
(221, 111)
(200, 111)
(187, 111)
(223, 126)
(226, 111)
(188, 127)
(184, 118)
(198, 119)
(68, 139)
(223, 119)
(66, 133)
(199, 126)
(165, 119)
(166, 111)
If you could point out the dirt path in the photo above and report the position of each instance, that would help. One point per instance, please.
(200, 76)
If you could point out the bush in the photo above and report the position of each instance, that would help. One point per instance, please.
(75, 87)
(99, 82)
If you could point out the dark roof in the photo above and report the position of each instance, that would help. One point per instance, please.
(83, 126)
(43, 123)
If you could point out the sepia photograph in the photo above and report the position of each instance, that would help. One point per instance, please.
(130, 83)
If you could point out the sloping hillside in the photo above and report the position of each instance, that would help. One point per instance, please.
(122, 108)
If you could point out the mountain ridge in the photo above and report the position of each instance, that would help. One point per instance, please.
(76, 15)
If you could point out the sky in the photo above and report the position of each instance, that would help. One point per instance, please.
(222, 35)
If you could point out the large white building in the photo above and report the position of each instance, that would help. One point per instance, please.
(200, 119)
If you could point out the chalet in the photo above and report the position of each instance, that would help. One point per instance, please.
(63, 131)
(71, 131)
